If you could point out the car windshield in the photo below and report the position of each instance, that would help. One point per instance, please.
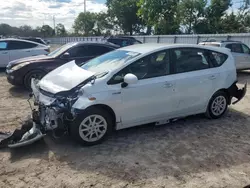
(60, 50)
(109, 61)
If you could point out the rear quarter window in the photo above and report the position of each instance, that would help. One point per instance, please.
(216, 58)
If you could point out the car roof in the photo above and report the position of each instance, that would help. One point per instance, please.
(150, 47)
(96, 43)
(20, 40)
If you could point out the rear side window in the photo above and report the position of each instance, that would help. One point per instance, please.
(18, 45)
(97, 50)
(189, 59)
(235, 47)
(3, 45)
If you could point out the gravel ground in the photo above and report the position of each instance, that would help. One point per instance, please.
(195, 152)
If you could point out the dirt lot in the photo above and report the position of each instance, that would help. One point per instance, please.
(195, 152)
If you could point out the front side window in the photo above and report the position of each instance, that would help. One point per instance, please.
(59, 51)
(235, 47)
(245, 49)
(78, 51)
(3, 45)
(154, 65)
(188, 59)
(19, 45)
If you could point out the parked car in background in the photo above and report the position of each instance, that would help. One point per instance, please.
(134, 85)
(12, 49)
(122, 40)
(240, 51)
(35, 39)
(21, 71)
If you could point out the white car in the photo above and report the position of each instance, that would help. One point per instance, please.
(134, 85)
(12, 49)
(240, 52)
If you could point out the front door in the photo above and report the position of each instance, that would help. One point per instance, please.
(153, 97)
(4, 54)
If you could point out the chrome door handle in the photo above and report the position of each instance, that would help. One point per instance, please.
(168, 85)
(212, 77)
(4, 52)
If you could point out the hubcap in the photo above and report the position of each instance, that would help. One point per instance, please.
(219, 105)
(93, 128)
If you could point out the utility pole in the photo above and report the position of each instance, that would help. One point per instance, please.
(54, 22)
(84, 6)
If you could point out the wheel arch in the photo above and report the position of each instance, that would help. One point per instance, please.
(107, 109)
(226, 92)
(32, 70)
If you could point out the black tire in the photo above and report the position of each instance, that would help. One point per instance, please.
(210, 112)
(32, 74)
(74, 127)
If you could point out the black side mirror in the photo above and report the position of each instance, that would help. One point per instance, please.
(66, 55)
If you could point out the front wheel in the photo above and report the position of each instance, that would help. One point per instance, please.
(38, 74)
(218, 105)
(91, 127)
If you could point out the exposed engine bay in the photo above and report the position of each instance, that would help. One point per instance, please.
(50, 112)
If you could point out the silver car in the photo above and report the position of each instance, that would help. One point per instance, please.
(240, 52)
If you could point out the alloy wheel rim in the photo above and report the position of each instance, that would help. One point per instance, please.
(219, 105)
(93, 128)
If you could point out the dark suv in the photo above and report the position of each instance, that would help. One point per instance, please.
(21, 71)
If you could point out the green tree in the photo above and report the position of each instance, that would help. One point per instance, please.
(163, 16)
(84, 23)
(60, 30)
(6, 30)
(124, 14)
(47, 31)
(103, 24)
(214, 15)
(191, 11)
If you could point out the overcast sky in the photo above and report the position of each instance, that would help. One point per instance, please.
(39, 12)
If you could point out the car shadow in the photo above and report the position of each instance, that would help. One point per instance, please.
(191, 145)
(19, 92)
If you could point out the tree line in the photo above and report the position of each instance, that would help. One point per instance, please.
(149, 17)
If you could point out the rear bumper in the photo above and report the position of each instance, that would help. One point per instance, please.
(237, 93)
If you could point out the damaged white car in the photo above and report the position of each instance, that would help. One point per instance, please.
(134, 85)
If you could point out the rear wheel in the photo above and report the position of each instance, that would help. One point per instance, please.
(38, 74)
(91, 127)
(218, 105)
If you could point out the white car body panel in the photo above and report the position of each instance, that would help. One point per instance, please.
(7, 56)
(149, 100)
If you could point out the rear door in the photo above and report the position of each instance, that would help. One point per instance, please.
(20, 49)
(195, 81)
(239, 56)
(4, 54)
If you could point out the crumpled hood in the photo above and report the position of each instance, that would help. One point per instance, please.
(64, 78)
(28, 59)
